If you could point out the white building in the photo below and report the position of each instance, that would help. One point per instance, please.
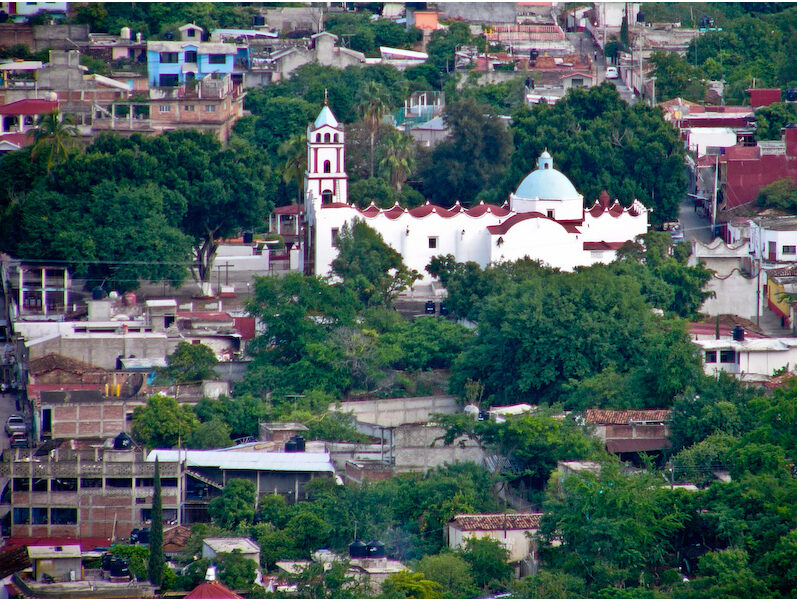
(774, 238)
(748, 359)
(544, 219)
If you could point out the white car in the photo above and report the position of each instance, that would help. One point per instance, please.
(611, 73)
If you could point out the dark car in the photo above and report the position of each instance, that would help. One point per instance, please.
(430, 308)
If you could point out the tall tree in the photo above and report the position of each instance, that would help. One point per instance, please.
(294, 151)
(374, 106)
(373, 269)
(156, 531)
(54, 137)
(398, 160)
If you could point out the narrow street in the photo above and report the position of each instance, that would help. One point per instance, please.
(693, 226)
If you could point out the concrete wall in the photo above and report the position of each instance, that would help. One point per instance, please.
(420, 447)
(100, 349)
(734, 294)
(517, 542)
(398, 411)
(59, 37)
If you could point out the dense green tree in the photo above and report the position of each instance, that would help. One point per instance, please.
(241, 414)
(375, 190)
(236, 571)
(473, 159)
(370, 267)
(156, 561)
(398, 159)
(373, 107)
(779, 194)
(451, 572)
(675, 77)
(771, 119)
(489, 562)
(410, 585)
(235, 506)
(549, 584)
(162, 422)
(724, 574)
(210, 435)
(137, 557)
(630, 151)
(189, 363)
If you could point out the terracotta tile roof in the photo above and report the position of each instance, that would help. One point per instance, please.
(212, 590)
(523, 521)
(32, 106)
(626, 416)
(14, 560)
(50, 362)
(175, 538)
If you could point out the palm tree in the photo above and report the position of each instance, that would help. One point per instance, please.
(294, 150)
(54, 135)
(374, 106)
(399, 158)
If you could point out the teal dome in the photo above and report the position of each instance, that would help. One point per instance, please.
(546, 183)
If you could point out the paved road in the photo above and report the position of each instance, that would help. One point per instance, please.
(693, 226)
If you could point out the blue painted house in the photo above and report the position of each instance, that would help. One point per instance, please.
(174, 63)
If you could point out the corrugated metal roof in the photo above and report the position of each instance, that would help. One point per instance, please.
(246, 460)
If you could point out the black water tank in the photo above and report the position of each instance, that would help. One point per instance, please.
(291, 447)
(119, 567)
(358, 549)
(376, 549)
(258, 20)
(122, 442)
(97, 293)
(738, 333)
(300, 441)
(106, 561)
(143, 536)
(249, 236)
(791, 94)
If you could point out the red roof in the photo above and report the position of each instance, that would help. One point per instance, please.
(29, 107)
(626, 416)
(507, 521)
(245, 325)
(726, 331)
(569, 226)
(602, 245)
(284, 210)
(212, 590)
(86, 543)
(18, 139)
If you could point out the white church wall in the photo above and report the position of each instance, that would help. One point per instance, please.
(620, 228)
(570, 209)
(540, 239)
(734, 294)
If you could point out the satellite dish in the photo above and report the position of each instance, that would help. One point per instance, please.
(133, 385)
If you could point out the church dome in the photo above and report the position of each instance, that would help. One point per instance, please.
(546, 183)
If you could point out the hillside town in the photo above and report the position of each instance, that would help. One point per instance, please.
(424, 300)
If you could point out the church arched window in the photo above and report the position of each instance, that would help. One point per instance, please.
(326, 138)
(327, 166)
(546, 165)
(326, 197)
(318, 137)
(335, 138)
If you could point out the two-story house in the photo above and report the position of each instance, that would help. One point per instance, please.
(173, 63)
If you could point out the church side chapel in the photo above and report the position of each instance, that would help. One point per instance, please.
(545, 219)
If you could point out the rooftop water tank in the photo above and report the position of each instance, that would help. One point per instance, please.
(358, 549)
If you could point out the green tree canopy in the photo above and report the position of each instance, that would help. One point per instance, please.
(189, 363)
(489, 562)
(162, 422)
(235, 506)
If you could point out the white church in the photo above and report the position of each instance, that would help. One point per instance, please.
(545, 219)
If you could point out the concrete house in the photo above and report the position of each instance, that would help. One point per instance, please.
(631, 431)
(211, 547)
(514, 531)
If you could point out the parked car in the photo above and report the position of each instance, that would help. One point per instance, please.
(611, 73)
(19, 440)
(15, 424)
(430, 307)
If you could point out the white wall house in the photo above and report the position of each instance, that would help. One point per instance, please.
(774, 239)
(749, 359)
(515, 531)
(545, 218)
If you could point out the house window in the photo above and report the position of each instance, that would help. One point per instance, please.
(189, 108)
(21, 484)
(167, 80)
(217, 58)
(327, 166)
(334, 236)
(190, 55)
(433, 243)
(169, 57)
(790, 249)
(91, 483)
(64, 485)
(63, 515)
(550, 214)
(39, 485)
(164, 108)
(119, 483)
(190, 32)
(326, 197)
(577, 82)
(21, 515)
(711, 357)
(728, 356)
(210, 108)
(40, 515)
